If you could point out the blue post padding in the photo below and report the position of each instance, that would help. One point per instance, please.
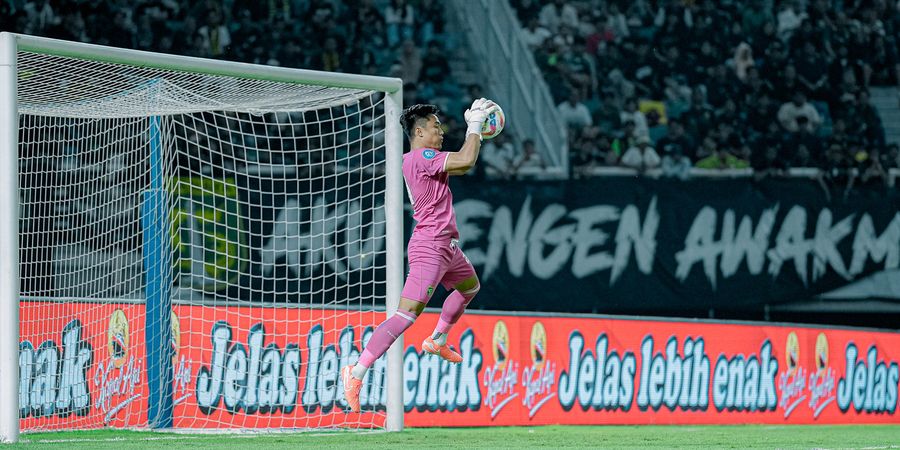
(157, 268)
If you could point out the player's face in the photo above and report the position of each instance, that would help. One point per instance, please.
(432, 135)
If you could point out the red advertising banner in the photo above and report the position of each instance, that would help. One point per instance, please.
(548, 370)
(82, 365)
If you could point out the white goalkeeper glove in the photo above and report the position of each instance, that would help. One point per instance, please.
(476, 115)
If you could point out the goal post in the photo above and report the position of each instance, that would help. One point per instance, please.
(9, 243)
(248, 219)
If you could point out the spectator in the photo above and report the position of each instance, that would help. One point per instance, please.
(761, 112)
(620, 85)
(872, 172)
(121, 33)
(812, 73)
(579, 68)
(527, 9)
(837, 171)
(639, 15)
(214, 35)
(534, 35)
(41, 16)
(529, 159)
(721, 159)
(435, 66)
(755, 86)
(410, 60)
(429, 19)
(742, 61)
(804, 136)
(369, 23)
(399, 18)
(587, 152)
(616, 23)
(700, 115)
(675, 143)
(625, 138)
(676, 166)
(642, 157)
(755, 17)
(558, 13)
(361, 58)
(890, 158)
(329, 58)
(677, 94)
(631, 113)
(883, 62)
(708, 147)
(790, 113)
(721, 86)
(786, 84)
(790, 15)
(872, 131)
(769, 163)
(499, 156)
(574, 113)
(606, 116)
(802, 158)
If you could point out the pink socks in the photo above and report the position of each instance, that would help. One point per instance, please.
(384, 336)
(454, 307)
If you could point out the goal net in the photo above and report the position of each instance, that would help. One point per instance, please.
(201, 244)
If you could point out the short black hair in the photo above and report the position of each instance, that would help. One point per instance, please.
(412, 115)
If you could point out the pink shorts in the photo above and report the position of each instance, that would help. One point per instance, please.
(432, 262)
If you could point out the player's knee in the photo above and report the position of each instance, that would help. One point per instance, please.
(411, 307)
(469, 294)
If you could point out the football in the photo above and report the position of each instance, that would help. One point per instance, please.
(494, 124)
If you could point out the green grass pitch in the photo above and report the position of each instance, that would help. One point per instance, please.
(617, 437)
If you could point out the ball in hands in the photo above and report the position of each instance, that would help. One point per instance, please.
(493, 124)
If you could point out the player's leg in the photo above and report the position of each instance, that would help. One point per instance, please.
(426, 268)
(388, 332)
(462, 278)
(381, 340)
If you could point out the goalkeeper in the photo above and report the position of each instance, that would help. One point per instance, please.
(433, 250)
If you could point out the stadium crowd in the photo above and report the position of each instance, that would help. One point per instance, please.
(670, 84)
(402, 38)
(675, 84)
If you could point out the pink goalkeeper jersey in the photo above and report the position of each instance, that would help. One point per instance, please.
(428, 186)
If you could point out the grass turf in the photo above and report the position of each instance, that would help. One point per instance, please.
(742, 436)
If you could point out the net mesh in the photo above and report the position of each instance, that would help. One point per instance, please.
(255, 206)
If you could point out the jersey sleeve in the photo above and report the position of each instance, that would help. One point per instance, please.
(433, 161)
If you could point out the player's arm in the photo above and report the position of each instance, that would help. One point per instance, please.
(460, 162)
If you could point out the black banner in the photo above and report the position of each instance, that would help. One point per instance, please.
(608, 245)
(621, 244)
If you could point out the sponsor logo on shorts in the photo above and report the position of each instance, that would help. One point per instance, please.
(429, 154)
(429, 291)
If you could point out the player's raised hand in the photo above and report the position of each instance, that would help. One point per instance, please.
(475, 116)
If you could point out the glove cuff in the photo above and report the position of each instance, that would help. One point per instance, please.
(474, 128)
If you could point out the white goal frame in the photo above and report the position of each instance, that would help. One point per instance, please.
(11, 44)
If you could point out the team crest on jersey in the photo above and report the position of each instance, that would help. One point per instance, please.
(429, 154)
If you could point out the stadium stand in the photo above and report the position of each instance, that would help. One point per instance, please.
(402, 38)
(769, 84)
